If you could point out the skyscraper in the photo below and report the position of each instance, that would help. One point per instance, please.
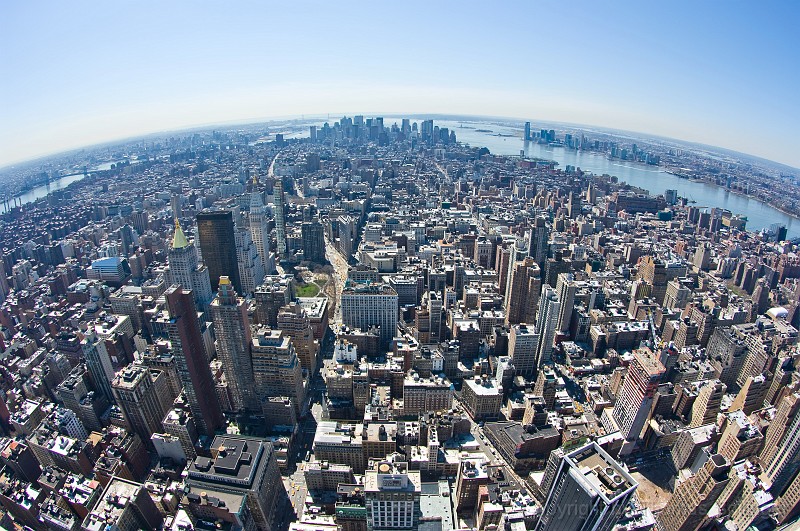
(258, 228)
(547, 385)
(276, 292)
(184, 269)
(523, 290)
(574, 205)
(137, 395)
(313, 242)
(751, 395)
(516, 253)
(566, 287)
(216, 232)
(527, 130)
(692, 499)
(538, 242)
(175, 204)
(589, 490)
(123, 504)
(4, 286)
(251, 269)
(727, 352)
(784, 373)
(280, 220)
(191, 361)
(232, 329)
(523, 342)
(658, 273)
(740, 439)
(180, 424)
(636, 396)
(276, 368)
(293, 320)
(787, 506)
(347, 235)
(549, 308)
(707, 404)
(126, 236)
(435, 312)
(426, 131)
(99, 364)
(77, 393)
(781, 455)
(244, 472)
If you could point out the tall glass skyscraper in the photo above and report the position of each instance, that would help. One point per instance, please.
(216, 232)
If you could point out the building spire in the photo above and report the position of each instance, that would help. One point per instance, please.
(179, 240)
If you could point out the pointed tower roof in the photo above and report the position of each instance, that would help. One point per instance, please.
(179, 241)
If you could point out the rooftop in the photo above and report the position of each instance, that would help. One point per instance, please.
(368, 289)
(235, 460)
(313, 306)
(392, 477)
(331, 432)
(436, 507)
(602, 473)
(649, 361)
(129, 377)
(484, 386)
(115, 499)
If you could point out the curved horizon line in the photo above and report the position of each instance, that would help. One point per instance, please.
(323, 116)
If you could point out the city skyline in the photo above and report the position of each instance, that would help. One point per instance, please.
(369, 267)
(87, 81)
(427, 333)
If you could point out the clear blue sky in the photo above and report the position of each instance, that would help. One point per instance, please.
(723, 73)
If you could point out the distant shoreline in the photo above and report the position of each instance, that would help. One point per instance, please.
(701, 181)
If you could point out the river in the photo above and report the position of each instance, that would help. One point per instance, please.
(759, 215)
(42, 191)
(39, 192)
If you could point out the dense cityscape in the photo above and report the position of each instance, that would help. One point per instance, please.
(369, 325)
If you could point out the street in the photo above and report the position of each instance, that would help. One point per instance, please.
(294, 478)
(494, 455)
(296, 489)
(340, 267)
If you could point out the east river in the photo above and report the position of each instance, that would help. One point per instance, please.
(41, 191)
(34, 194)
(759, 215)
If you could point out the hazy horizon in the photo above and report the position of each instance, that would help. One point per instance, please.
(334, 117)
(713, 73)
